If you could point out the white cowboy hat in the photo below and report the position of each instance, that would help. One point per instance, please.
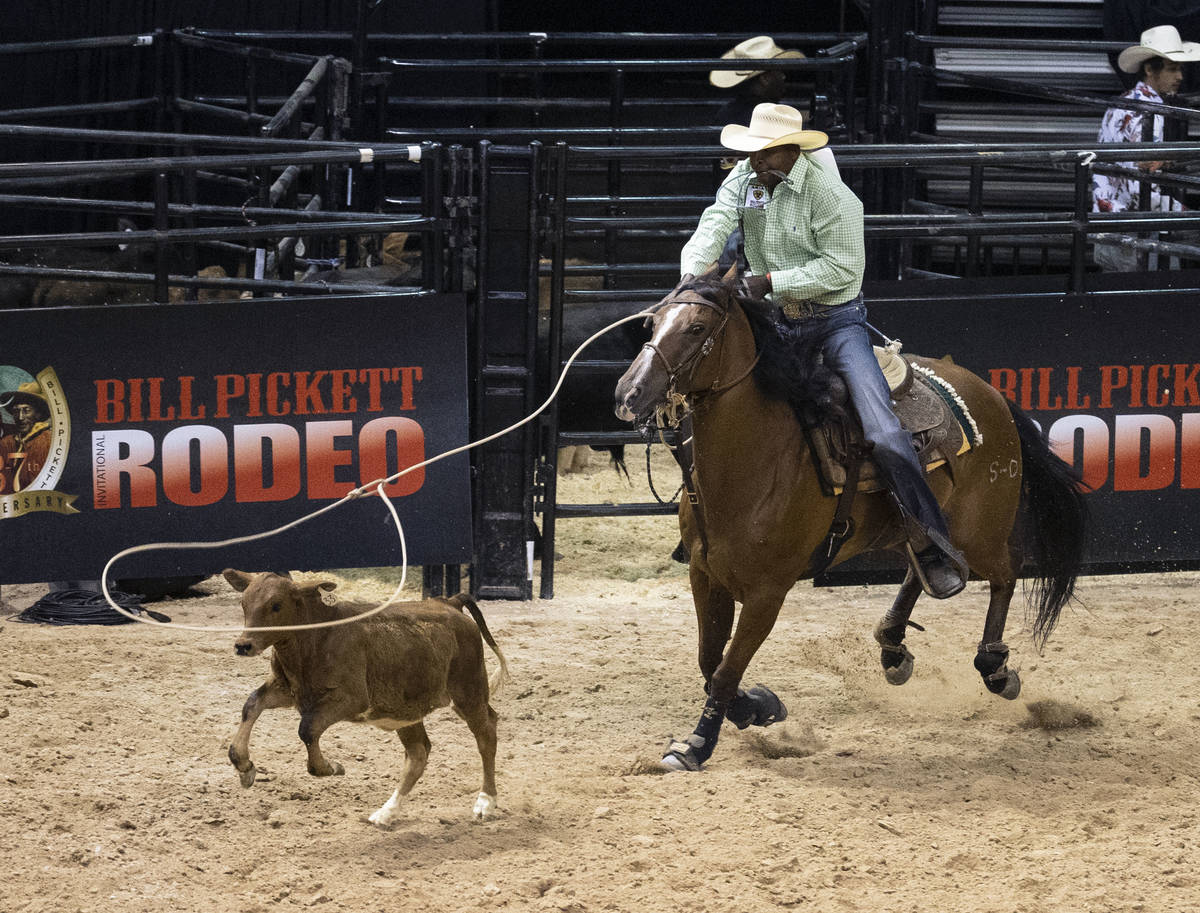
(772, 125)
(761, 48)
(1160, 41)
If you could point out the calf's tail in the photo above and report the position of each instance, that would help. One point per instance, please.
(500, 676)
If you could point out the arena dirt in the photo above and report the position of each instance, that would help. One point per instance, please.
(935, 796)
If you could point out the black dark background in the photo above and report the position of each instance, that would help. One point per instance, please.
(47, 79)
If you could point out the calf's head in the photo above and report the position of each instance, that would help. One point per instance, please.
(269, 600)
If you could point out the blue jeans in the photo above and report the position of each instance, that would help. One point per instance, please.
(846, 346)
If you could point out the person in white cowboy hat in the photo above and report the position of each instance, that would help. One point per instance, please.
(751, 86)
(804, 244)
(1158, 60)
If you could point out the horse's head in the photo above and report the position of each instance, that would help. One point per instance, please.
(687, 325)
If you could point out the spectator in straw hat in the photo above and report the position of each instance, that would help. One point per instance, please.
(804, 243)
(751, 87)
(1158, 61)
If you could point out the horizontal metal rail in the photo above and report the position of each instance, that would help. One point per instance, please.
(541, 39)
(876, 156)
(225, 232)
(155, 164)
(144, 40)
(701, 134)
(229, 283)
(191, 38)
(1035, 90)
(203, 211)
(631, 65)
(197, 140)
(93, 109)
(633, 509)
(1001, 43)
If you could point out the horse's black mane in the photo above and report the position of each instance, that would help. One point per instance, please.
(788, 368)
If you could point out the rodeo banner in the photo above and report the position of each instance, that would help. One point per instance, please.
(1114, 379)
(133, 424)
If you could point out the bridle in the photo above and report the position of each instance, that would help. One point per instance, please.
(692, 361)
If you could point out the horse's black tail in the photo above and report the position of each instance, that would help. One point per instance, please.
(1057, 530)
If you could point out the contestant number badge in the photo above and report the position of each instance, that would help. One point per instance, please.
(756, 196)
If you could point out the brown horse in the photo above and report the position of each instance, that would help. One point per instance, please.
(761, 514)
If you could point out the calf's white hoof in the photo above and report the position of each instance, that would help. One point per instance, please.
(485, 805)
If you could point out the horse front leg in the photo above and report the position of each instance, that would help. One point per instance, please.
(889, 633)
(759, 705)
(714, 621)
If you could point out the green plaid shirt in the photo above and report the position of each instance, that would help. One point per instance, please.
(809, 237)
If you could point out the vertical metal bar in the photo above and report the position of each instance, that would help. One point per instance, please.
(432, 206)
(850, 110)
(433, 242)
(359, 59)
(1083, 206)
(253, 248)
(161, 79)
(535, 438)
(477, 354)
(539, 83)
(1144, 188)
(615, 120)
(558, 206)
(876, 55)
(458, 238)
(161, 223)
(189, 189)
(975, 208)
(180, 86)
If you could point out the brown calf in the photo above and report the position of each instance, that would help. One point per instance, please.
(390, 670)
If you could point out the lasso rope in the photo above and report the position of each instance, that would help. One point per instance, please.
(377, 485)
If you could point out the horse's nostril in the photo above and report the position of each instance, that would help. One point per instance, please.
(242, 649)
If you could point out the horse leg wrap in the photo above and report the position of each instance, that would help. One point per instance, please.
(890, 637)
(691, 753)
(992, 663)
(757, 707)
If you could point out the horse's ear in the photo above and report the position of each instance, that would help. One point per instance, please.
(712, 272)
(730, 273)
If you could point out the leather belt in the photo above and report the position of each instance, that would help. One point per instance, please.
(803, 310)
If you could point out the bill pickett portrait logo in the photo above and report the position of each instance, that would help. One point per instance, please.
(35, 435)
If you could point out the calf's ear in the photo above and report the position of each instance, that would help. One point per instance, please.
(239, 580)
(322, 591)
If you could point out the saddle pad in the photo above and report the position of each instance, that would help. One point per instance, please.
(925, 410)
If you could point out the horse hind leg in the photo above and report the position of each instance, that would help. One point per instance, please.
(896, 659)
(991, 659)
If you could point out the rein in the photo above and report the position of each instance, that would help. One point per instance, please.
(677, 403)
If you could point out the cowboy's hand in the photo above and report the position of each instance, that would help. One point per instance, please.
(756, 287)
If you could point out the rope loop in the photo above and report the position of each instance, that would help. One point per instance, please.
(375, 487)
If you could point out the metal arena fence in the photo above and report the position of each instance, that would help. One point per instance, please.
(293, 195)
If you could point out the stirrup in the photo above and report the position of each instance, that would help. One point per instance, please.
(959, 568)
